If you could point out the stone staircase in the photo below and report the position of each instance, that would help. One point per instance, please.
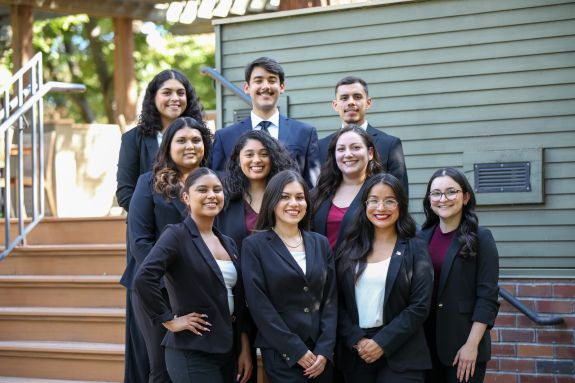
(61, 306)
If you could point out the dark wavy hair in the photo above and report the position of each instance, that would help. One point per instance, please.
(194, 176)
(268, 64)
(467, 229)
(330, 176)
(348, 80)
(357, 240)
(236, 184)
(167, 176)
(150, 120)
(266, 218)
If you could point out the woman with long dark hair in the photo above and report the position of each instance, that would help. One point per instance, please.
(289, 279)
(384, 288)
(466, 265)
(203, 279)
(351, 160)
(155, 204)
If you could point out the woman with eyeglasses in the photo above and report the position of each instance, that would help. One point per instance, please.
(351, 160)
(466, 265)
(385, 280)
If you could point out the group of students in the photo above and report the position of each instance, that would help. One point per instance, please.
(269, 238)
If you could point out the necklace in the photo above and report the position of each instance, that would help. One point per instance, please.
(287, 244)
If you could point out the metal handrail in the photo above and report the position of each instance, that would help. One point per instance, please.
(28, 98)
(227, 84)
(542, 321)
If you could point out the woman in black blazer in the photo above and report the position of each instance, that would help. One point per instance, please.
(384, 287)
(203, 279)
(289, 278)
(168, 96)
(466, 265)
(155, 204)
(351, 159)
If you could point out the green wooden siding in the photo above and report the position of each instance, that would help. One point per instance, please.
(447, 77)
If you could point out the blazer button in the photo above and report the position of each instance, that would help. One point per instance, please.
(287, 357)
(306, 289)
(440, 305)
(306, 310)
(284, 355)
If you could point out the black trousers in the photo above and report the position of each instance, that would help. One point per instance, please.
(136, 364)
(190, 366)
(278, 371)
(153, 336)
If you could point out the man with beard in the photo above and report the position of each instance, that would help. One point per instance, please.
(351, 103)
(264, 83)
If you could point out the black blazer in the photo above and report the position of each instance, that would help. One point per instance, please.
(148, 216)
(137, 155)
(319, 222)
(232, 221)
(195, 284)
(288, 307)
(467, 293)
(406, 306)
(300, 140)
(389, 149)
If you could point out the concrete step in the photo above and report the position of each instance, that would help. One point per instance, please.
(61, 291)
(71, 259)
(62, 324)
(62, 360)
(12, 379)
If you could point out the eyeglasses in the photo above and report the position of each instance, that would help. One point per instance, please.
(388, 204)
(450, 194)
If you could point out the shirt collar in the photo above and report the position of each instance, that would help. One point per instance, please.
(363, 126)
(274, 119)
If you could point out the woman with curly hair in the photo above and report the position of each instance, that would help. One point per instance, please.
(155, 204)
(351, 160)
(466, 264)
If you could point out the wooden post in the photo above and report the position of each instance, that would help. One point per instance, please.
(125, 90)
(21, 20)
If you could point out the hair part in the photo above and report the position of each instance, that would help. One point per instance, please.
(266, 63)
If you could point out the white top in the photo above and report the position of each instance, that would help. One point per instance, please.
(273, 129)
(370, 292)
(159, 137)
(299, 257)
(230, 278)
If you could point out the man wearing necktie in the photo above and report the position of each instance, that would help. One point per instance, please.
(264, 83)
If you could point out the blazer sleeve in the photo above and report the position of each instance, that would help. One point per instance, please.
(149, 275)
(270, 324)
(217, 157)
(349, 331)
(141, 220)
(325, 343)
(396, 163)
(128, 169)
(395, 333)
(312, 163)
(487, 304)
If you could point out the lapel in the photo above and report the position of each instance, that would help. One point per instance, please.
(203, 249)
(311, 255)
(394, 267)
(237, 211)
(349, 290)
(452, 251)
(284, 130)
(151, 143)
(278, 246)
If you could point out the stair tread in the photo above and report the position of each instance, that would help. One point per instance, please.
(63, 311)
(68, 247)
(85, 347)
(61, 278)
(9, 379)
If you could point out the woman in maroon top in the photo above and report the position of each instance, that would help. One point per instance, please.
(465, 260)
(351, 160)
(256, 158)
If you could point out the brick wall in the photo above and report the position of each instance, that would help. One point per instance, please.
(523, 352)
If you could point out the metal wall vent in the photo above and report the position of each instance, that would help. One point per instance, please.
(502, 177)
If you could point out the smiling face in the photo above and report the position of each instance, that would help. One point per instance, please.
(449, 211)
(264, 88)
(352, 155)
(205, 197)
(292, 206)
(382, 208)
(170, 100)
(254, 160)
(187, 149)
(351, 103)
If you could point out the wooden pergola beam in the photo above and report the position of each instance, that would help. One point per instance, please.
(21, 20)
(125, 88)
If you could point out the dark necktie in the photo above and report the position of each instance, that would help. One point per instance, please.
(265, 125)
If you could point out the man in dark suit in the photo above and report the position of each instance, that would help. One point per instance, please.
(264, 83)
(351, 103)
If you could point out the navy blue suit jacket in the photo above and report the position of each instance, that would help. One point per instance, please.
(195, 284)
(467, 292)
(137, 155)
(148, 216)
(389, 149)
(232, 221)
(406, 303)
(289, 307)
(298, 138)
